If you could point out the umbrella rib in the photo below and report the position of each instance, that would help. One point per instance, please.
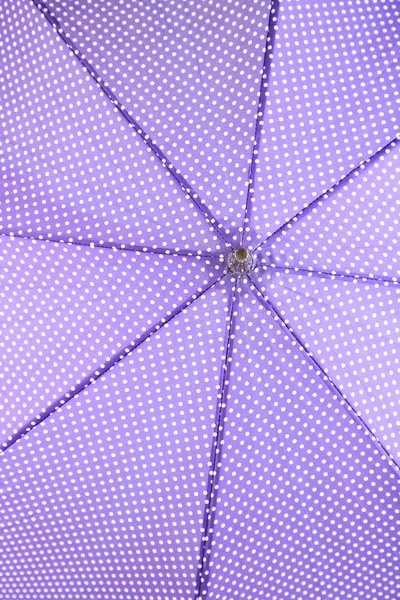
(212, 484)
(331, 385)
(304, 211)
(266, 70)
(106, 366)
(112, 246)
(167, 164)
(333, 275)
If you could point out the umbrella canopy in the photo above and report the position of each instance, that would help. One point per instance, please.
(199, 300)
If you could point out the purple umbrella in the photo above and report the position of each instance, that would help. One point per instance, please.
(199, 300)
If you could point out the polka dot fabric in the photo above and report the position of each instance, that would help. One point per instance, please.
(72, 168)
(352, 329)
(199, 300)
(189, 73)
(122, 474)
(352, 230)
(299, 502)
(332, 102)
(67, 309)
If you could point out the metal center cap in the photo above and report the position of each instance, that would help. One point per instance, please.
(240, 261)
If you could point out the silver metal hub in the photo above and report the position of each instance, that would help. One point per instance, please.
(240, 261)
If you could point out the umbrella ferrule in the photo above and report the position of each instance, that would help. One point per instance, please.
(240, 261)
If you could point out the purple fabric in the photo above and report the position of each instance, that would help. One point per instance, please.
(67, 309)
(173, 428)
(332, 103)
(110, 489)
(297, 512)
(352, 230)
(73, 168)
(190, 74)
(352, 329)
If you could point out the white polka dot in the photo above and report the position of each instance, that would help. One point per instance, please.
(199, 300)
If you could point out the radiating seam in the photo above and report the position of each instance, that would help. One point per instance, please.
(112, 246)
(330, 275)
(211, 495)
(185, 185)
(270, 40)
(322, 374)
(306, 209)
(99, 372)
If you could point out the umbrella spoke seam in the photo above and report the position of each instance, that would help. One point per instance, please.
(200, 380)
(210, 501)
(306, 209)
(102, 370)
(111, 246)
(330, 384)
(266, 70)
(167, 164)
(331, 274)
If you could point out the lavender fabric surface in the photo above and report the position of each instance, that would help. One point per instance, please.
(179, 420)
